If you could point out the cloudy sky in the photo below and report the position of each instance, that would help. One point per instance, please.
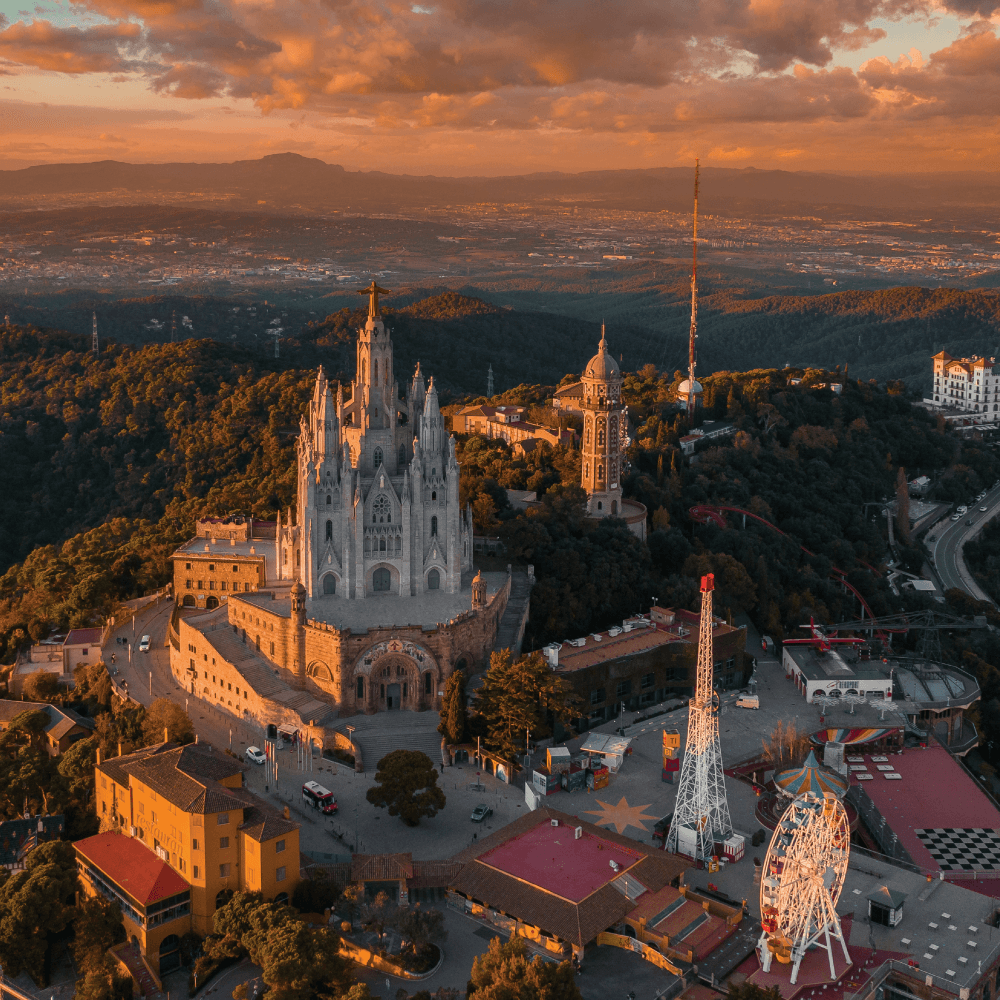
(505, 86)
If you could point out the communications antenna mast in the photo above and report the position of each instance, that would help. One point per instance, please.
(701, 811)
(489, 383)
(173, 325)
(93, 344)
(693, 334)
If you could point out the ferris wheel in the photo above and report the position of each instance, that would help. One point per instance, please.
(803, 875)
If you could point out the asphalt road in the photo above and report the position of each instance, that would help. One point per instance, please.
(947, 538)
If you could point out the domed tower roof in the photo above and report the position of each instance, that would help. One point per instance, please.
(602, 365)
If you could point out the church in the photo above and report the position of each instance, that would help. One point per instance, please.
(377, 507)
(363, 598)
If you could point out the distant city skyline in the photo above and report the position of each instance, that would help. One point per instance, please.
(460, 87)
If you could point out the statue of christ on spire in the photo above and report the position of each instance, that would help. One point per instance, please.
(373, 291)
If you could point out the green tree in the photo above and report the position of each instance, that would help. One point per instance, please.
(97, 925)
(41, 686)
(421, 927)
(351, 900)
(103, 981)
(359, 991)
(76, 765)
(314, 895)
(299, 962)
(521, 696)
(504, 971)
(406, 785)
(165, 714)
(36, 905)
(453, 723)
(378, 914)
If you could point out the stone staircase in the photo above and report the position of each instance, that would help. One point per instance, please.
(514, 614)
(140, 972)
(399, 733)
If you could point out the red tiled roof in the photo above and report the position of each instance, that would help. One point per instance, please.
(83, 637)
(132, 866)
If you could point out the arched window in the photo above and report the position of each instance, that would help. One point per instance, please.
(377, 457)
(212, 602)
(359, 689)
(434, 495)
(600, 506)
(433, 580)
(362, 370)
(329, 584)
(600, 472)
(189, 600)
(329, 531)
(399, 545)
(381, 545)
(329, 500)
(588, 432)
(381, 511)
(587, 469)
(258, 644)
(434, 525)
(600, 438)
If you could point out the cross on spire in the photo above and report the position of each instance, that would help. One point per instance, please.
(373, 291)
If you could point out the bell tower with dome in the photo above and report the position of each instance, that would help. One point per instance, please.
(605, 435)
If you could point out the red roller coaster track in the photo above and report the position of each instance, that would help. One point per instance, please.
(716, 514)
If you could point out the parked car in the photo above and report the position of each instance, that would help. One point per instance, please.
(984, 508)
(144, 644)
(255, 754)
(481, 812)
(956, 517)
(961, 510)
(748, 701)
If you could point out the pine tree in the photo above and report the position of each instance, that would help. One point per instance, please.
(453, 722)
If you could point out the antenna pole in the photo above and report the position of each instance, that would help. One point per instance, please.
(693, 335)
(94, 346)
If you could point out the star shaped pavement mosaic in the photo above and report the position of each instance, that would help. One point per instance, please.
(622, 815)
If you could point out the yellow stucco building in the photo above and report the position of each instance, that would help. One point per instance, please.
(191, 835)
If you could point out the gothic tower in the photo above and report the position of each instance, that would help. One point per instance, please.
(604, 433)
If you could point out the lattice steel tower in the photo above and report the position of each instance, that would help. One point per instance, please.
(701, 812)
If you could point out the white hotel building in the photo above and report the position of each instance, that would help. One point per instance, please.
(966, 390)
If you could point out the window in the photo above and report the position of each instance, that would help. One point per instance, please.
(187, 565)
(329, 531)
(433, 580)
(182, 864)
(222, 819)
(381, 512)
(224, 870)
(279, 874)
(648, 680)
(279, 846)
(194, 844)
(187, 583)
(427, 683)
(200, 585)
(223, 843)
(329, 586)
(329, 500)
(272, 649)
(359, 689)
(153, 815)
(623, 688)
(211, 567)
(377, 457)
(434, 495)
(434, 525)
(236, 569)
(211, 585)
(142, 807)
(104, 782)
(195, 871)
(598, 696)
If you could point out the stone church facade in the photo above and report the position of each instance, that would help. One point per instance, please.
(369, 601)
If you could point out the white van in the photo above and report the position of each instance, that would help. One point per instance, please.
(748, 701)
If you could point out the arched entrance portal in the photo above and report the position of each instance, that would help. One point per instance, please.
(170, 954)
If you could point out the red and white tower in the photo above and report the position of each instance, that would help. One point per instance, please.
(701, 812)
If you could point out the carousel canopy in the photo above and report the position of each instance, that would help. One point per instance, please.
(850, 736)
(810, 777)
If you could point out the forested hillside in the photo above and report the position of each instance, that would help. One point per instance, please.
(532, 331)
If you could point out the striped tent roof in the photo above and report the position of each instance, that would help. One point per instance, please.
(849, 736)
(810, 777)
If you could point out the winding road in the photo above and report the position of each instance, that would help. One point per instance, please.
(946, 539)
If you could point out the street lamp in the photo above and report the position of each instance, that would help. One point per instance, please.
(151, 684)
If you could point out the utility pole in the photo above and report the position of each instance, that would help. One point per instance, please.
(93, 343)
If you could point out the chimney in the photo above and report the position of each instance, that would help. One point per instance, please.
(166, 735)
(286, 813)
(119, 748)
(98, 756)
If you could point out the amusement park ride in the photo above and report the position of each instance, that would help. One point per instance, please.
(820, 639)
(802, 879)
(701, 811)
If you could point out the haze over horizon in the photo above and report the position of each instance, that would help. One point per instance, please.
(461, 88)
